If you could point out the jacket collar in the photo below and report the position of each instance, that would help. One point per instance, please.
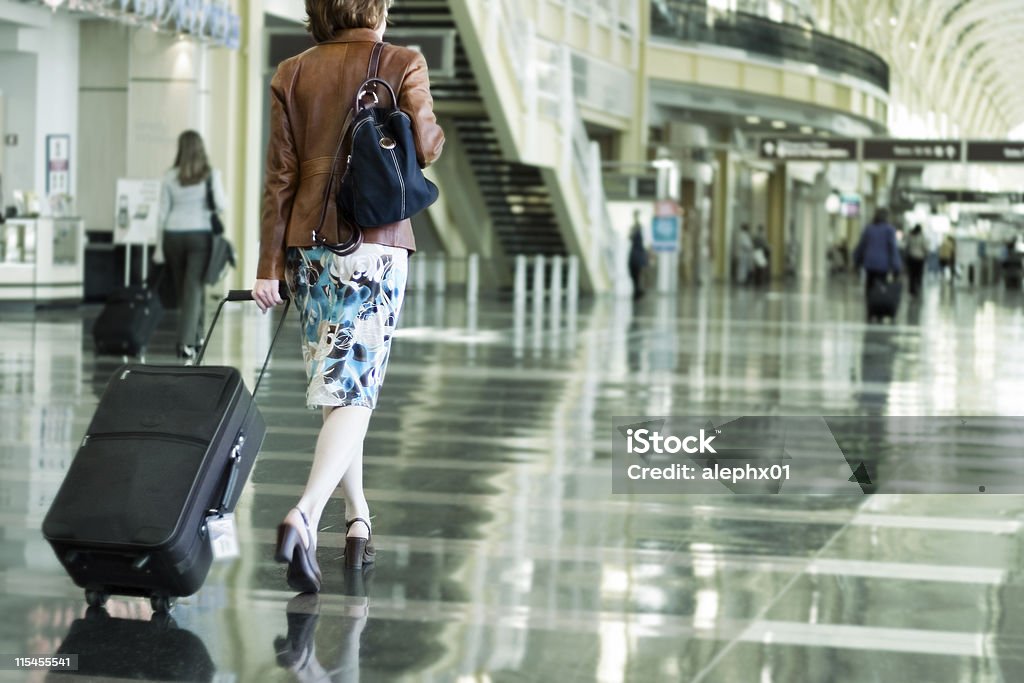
(354, 35)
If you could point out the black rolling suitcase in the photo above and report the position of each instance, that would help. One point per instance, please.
(130, 314)
(884, 299)
(127, 321)
(168, 447)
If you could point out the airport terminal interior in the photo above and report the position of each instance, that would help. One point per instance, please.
(650, 213)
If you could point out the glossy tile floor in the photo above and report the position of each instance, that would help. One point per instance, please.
(504, 556)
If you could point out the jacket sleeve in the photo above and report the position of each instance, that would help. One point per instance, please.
(416, 101)
(282, 182)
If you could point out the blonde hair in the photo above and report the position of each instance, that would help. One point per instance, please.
(192, 163)
(324, 18)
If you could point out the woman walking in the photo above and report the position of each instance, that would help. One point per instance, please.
(185, 226)
(917, 253)
(349, 305)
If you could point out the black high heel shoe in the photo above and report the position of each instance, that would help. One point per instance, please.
(359, 551)
(303, 570)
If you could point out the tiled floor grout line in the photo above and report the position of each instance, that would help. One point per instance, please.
(782, 592)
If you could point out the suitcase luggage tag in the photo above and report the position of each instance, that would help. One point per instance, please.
(223, 537)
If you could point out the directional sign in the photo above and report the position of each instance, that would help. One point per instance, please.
(809, 149)
(665, 233)
(961, 196)
(1000, 152)
(912, 150)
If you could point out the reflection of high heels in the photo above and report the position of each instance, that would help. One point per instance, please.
(359, 551)
(357, 583)
(295, 650)
(303, 570)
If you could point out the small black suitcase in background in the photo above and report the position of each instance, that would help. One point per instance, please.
(167, 447)
(127, 321)
(884, 299)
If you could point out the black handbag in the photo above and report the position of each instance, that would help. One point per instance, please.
(222, 253)
(383, 182)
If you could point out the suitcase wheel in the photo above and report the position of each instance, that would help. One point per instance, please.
(161, 603)
(96, 598)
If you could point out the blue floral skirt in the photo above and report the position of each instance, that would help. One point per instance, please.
(348, 308)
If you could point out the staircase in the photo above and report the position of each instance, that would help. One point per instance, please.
(516, 195)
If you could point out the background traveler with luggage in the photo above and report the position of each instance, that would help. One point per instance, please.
(348, 283)
(878, 253)
(186, 232)
(742, 255)
(917, 253)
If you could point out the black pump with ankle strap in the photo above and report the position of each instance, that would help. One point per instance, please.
(303, 570)
(359, 551)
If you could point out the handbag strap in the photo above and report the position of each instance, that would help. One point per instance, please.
(210, 203)
(372, 69)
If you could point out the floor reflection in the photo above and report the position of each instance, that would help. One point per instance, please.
(503, 556)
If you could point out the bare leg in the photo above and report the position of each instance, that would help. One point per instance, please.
(339, 445)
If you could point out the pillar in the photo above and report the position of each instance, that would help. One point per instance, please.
(778, 187)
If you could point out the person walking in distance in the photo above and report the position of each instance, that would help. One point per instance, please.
(637, 256)
(349, 305)
(186, 231)
(761, 257)
(742, 255)
(917, 254)
(947, 258)
(878, 252)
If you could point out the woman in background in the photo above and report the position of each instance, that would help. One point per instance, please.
(185, 227)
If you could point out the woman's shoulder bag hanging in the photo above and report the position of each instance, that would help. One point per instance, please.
(383, 181)
(221, 252)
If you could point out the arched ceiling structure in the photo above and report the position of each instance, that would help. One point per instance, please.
(961, 58)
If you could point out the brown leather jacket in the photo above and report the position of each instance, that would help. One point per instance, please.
(311, 96)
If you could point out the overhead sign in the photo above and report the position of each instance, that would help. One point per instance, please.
(809, 149)
(998, 152)
(207, 20)
(961, 196)
(912, 150)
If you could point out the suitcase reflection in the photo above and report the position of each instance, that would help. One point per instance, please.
(134, 649)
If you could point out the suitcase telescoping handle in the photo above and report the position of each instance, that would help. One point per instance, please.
(236, 451)
(246, 295)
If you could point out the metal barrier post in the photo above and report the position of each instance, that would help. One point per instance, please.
(573, 280)
(538, 276)
(519, 284)
(440, 278)
(473, 278)
(420, 273)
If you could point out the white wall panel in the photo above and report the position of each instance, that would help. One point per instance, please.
(56, 91)
(18, 84)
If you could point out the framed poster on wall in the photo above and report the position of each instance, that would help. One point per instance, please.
(58, 164)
